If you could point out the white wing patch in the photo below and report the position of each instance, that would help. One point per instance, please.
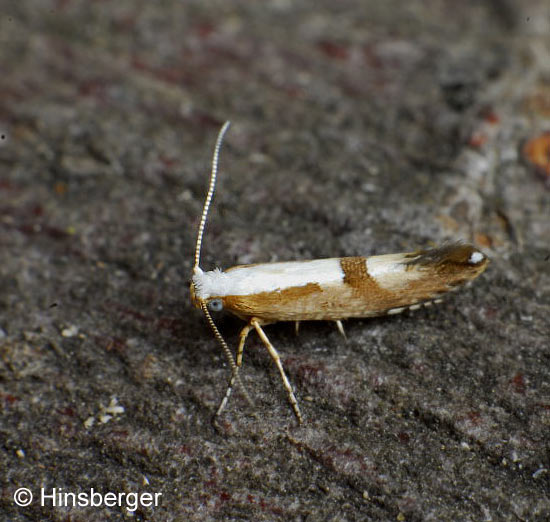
(391, 272)
(268, 277)
(476, 258)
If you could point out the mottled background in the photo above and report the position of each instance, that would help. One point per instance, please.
(358, 127)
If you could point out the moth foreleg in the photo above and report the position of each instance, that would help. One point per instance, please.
(242, 338)
(275, 356)
(235, 374)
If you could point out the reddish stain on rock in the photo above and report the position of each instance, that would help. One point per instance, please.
(403, 437)
(333, 50)
(536, 152)
(518, 383)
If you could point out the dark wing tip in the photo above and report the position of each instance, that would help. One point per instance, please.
(450, 254)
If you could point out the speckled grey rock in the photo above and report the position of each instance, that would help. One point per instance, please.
(358, 128)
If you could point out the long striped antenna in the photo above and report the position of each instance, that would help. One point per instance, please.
(235, 377)
(208, 200)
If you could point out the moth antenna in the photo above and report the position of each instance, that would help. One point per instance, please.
(196, 268)
(210, 194)
(227, 352)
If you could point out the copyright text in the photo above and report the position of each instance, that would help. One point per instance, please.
(58, 497)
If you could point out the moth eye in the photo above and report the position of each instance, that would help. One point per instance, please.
(215, 305)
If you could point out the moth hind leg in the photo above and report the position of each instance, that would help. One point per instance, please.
(277, 360)
(340, 327)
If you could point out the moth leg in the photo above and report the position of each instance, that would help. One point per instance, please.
(340, 327)
(235, 373)
(242, 338)
(275, 356)
(297, 327)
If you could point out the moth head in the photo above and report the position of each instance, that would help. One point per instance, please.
(214, 304)
(205, 289)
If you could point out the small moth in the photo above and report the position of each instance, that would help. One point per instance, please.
(322, 289)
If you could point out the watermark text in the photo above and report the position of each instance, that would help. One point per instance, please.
(58, 497)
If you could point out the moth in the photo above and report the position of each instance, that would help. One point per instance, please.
(322, 289)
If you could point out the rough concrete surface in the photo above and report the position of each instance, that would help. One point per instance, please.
(358, 128)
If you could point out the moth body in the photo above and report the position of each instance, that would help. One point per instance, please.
(323, 289)
(339, 288)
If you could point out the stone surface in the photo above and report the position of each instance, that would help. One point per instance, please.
(358, 128)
